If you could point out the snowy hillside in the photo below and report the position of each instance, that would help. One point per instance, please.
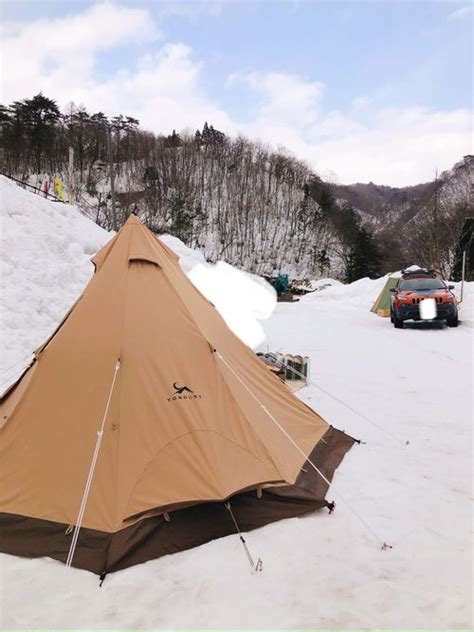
(319, 571)
(384, 204)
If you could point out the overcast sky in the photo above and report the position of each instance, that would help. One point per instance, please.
(363, 91)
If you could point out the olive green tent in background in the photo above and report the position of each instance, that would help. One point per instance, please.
(381, 307)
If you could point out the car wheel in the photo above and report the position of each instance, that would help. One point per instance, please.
(397, 323)
(453, 322)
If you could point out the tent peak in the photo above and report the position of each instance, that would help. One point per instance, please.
(133, 219)
(144, 245)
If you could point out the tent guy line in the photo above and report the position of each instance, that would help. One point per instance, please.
(384, 545)
(87, 487)
(361, 415)
(85, 496)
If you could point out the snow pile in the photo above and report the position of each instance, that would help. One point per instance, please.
(45, 252)
(362, 294)
(314, 285)
(466, 308)
(359, 294)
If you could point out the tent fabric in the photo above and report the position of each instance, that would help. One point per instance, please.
(181, 429)
(381, 307)
(154, 537)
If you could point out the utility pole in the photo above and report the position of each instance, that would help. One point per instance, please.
(112, 176)
(71, 195)
(436, 249)
(463, 274)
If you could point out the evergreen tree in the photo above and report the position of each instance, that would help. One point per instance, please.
(131, 123)
(150, 177)
(364, 257)
(183, 217)
(206, 134)
(174, 140)
(324, 262)
(38, 117)
(99, 118)
(326, 201)
(5, 115)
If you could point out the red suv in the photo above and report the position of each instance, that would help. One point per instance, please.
(416, 286)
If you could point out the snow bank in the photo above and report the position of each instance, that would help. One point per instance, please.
(363, 293)
(466, 308)
(45, 251)
(359, 294)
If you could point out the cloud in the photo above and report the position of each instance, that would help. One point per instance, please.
(57, 55)
(359, 103)
(162, 86)
(192, 8)
(400, 146)
(287, 98)
(163, 92)
(461, 13)
(286, 106)
(162, 89)
(396, 146)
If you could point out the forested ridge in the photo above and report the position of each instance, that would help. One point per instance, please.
(232, 198)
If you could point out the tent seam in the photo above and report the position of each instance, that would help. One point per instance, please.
(120, 386)
(185, 434)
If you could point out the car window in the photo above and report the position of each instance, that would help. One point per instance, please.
(422, 284)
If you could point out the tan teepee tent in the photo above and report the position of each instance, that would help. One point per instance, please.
(144, 377)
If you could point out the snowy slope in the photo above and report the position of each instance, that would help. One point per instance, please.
(319, 571)
(45, 248)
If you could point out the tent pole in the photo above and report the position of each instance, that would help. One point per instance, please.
(463, 274)
(255, 566)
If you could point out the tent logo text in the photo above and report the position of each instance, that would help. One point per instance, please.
(178, 393)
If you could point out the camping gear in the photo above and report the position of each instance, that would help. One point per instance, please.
(291, 369)
(381, 307)
(270, 360)
(141, 416)
(282, 286)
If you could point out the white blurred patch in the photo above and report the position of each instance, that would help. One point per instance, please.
(242, 299)
(428, 309)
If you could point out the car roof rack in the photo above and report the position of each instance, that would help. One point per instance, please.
(420, 271)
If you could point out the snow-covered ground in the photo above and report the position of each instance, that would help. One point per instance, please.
(319, 571)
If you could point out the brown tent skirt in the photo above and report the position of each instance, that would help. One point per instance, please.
(153, 537)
